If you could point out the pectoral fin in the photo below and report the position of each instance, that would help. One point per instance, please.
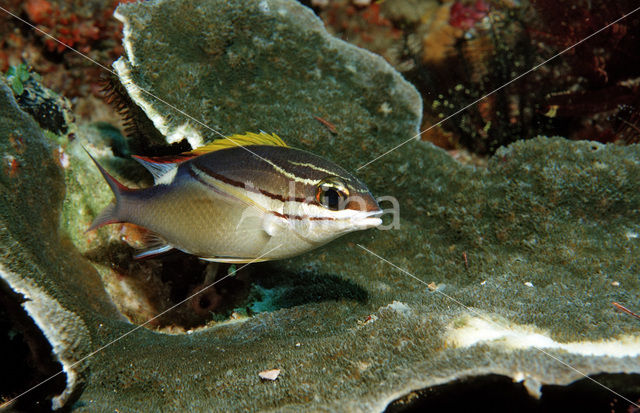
(152, 252)
(155, 246)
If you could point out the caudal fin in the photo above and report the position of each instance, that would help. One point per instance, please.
(111, 214)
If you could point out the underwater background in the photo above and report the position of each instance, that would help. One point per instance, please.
(500, 136)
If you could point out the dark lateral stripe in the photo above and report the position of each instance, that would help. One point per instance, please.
(299, 217)
(205, 183)
(250, 188)
(285, 216)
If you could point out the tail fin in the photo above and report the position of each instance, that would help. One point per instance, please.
(111, 214)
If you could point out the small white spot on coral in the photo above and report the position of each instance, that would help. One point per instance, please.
(528, 284)
(385, 109)
(264, 7)
(269, 374)
(63, 157)
(9, 161)
(363, 365)
(398, 307)
(631, 235)
(615, 283)
(382, 286)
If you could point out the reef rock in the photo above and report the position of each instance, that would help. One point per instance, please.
(515, 266)
(267, 65)
(57, 287)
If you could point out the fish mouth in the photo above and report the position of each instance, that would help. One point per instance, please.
(369, 219)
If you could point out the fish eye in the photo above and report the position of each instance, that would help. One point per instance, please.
(331, 192)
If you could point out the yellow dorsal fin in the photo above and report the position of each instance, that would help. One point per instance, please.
(248, 139)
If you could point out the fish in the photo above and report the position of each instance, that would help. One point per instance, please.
(244, 198)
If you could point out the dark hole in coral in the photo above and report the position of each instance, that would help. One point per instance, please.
(205, 302)
(28, 357)
(202, 288)
(207, 292)
(500, 394)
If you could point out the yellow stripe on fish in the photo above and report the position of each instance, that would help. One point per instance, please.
(225, 203)
(247, 139)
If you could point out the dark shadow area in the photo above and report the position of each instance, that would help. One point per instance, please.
(28, 358)
(298, 288)
(496, 393)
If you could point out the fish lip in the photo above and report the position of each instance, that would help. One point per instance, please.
(371, 222)
(369, 219)
(375, 214)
